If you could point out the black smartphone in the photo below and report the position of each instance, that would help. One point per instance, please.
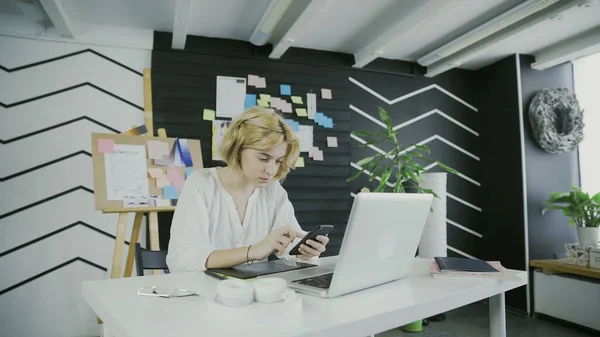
(312, 235)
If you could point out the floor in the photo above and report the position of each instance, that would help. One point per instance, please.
(473, 321)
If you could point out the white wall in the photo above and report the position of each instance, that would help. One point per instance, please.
(44, 141)
(587, 89)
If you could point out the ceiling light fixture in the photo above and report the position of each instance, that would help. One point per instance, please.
(500, 22)
(269, 21)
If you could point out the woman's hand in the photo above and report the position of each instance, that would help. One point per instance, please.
(274, 243)
(313, 248)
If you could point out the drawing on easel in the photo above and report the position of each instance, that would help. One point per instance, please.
(132, 172)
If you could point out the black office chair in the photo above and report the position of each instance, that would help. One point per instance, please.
(149, 259)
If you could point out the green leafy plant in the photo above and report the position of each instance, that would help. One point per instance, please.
(398, 164)
(583, 210)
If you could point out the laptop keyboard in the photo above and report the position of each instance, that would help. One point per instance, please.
(321, 281)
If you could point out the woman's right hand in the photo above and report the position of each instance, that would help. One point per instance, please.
(274, 243)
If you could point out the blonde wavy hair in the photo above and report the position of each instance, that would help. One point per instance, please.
(260, 129)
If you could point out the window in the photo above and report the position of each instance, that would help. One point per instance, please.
(587, 90)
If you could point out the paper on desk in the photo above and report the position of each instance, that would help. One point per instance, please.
(311, 105)
(231, 96)
(106, 145)
(332, 142)
(126, 172)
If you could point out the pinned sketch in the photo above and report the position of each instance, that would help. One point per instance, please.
(231, 96)
(219, 129)
(311, 105)
(126, 172)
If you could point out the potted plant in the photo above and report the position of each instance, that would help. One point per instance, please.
(399, 167)
(583, 211)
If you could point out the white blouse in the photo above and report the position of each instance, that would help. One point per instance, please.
(206, 219)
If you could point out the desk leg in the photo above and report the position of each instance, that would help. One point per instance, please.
(497, 316)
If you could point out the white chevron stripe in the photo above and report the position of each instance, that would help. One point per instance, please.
(427, 168)
(416, 119)
(45, 182)
(50, 77)
(55, 309)
(45, 254)
(461, 252)
(33, 116)
(452, 196)
(411, 94)
(55, 214)
(457, 225)
(358, 167)
(45, 147)
(19, 52)
(423, 142)
(352, 194)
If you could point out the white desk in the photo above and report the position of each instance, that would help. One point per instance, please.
(367, 312)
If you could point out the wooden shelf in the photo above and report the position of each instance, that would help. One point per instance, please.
(561, 266)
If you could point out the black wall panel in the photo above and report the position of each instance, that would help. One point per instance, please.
(184, 83)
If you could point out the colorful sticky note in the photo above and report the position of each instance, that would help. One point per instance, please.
(161, 182)
(328, 123)
(300, 162)
(157, 149)
(170, 192)
(287, 107)
(297, 99)
(332, 142)
(106, 145)
(250, 101)
(326, 93)
(209, 115)
(252, 80)
(301, 112)
(285, 89)
(265, 97)
(318, 155)
(174, 174)
(156, 173)
(263, 103)
(261, 82)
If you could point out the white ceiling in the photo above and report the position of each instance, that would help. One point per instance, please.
(340, 25)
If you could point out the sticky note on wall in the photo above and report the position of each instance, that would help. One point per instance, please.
(332, 142)
(208, 115)
(297, 99)
(300, 162)
(285, 89)
(106, 145)
(170, 192)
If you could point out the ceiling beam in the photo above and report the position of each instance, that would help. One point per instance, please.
(412, 12)
(181, 23)
(57, 14)
(571, 49)
(298, 28)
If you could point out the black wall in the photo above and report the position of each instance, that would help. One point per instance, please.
(502, 171)
(184, 83)
(546, 172)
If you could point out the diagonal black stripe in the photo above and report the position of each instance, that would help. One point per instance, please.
(58, 126)
(43, 237)
(2, 179)
(45, 200)
(31, 65)
(22, 283)
(7, 106)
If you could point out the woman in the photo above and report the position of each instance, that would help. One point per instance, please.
(227, 216)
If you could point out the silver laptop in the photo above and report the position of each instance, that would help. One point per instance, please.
(379, 245)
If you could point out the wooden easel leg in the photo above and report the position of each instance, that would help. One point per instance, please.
(154, 244)
(135, 234)
(115, 272)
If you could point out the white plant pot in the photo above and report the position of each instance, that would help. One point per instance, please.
(433, 241)
(588, 235)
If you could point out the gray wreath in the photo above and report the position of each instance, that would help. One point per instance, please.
(556, 120)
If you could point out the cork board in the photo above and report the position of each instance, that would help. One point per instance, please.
(117, 162)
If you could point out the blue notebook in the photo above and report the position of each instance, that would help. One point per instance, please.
(464, 264)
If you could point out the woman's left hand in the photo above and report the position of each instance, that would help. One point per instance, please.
(313, 248)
